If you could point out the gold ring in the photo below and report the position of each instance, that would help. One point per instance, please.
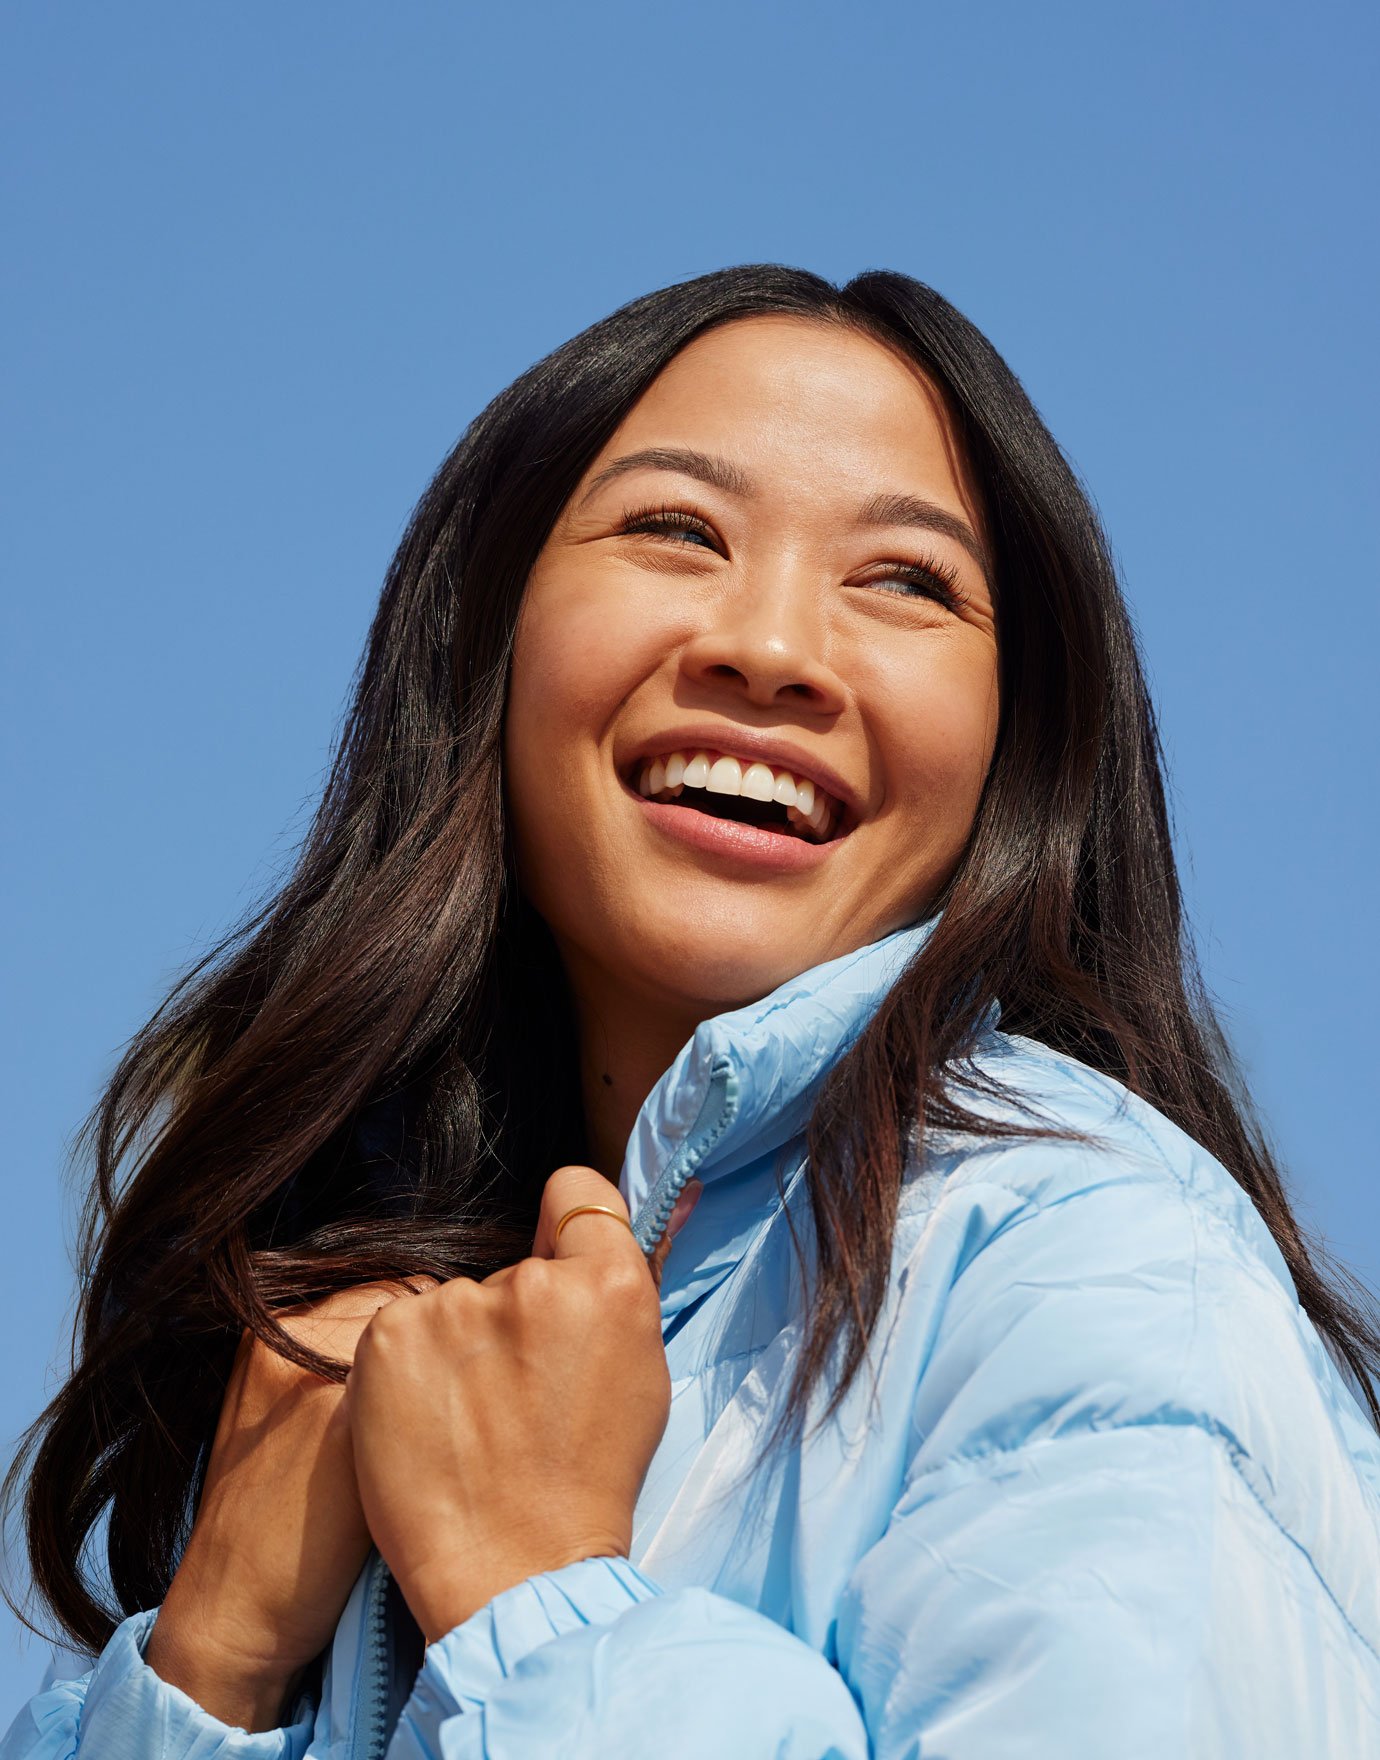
(582, 1209)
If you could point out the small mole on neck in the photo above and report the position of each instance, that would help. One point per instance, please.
(608, 1079)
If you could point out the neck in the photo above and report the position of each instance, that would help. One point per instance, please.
(628, 1040)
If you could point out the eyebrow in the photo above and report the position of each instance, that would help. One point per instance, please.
(717, 472)
(721, 473)
(914, 510)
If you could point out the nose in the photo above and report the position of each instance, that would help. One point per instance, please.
(766, 642)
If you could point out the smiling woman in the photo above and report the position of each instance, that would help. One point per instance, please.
(774, 586)
(749, 835)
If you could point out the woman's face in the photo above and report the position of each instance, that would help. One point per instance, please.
(777, 558)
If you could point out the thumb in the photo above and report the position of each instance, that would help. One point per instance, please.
(571, 1188)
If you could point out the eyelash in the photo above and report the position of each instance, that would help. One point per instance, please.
(938, 579)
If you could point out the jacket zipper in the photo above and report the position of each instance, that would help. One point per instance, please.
(717, 1112)
(371, 1735)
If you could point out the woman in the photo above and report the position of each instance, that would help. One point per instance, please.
(748, 834)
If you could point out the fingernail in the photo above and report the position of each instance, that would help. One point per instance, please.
(685, 1203)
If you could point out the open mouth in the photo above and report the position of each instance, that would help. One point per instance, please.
(717, 783)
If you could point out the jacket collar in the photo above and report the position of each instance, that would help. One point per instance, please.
(747, 1080)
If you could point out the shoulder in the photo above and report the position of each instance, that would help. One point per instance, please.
(1115, 1153)
(1124, 1280)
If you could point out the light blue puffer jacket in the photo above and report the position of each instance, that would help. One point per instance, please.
(1112, 1498)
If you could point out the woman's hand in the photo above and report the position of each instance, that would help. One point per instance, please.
(505, 1427)
(280, 1536)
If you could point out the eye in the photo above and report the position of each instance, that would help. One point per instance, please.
(662, 521)
(932, 579)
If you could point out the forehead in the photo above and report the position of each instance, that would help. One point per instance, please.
(807, 406)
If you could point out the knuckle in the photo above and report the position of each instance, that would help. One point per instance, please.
(385, 1326)
(335, 1325)
(628, 1285)
(531, 1280)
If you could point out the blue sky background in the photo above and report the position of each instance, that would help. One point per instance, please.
(263, 263)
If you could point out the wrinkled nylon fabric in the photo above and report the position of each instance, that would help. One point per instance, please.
(1100, 1490)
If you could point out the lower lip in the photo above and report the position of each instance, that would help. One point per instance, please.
(766, 851)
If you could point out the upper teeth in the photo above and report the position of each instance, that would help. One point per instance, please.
(806, 806)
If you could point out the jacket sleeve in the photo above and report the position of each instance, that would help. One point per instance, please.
(589, 1660)
(121, 1710)
(1127, 1445)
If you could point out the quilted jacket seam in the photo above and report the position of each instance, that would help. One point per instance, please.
(997, 1456)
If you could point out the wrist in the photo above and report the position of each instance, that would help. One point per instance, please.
(443, 1593)
(238, 1683)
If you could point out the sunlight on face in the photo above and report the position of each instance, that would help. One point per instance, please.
(796, 598)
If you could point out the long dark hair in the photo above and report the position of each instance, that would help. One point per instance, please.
(375, 1074)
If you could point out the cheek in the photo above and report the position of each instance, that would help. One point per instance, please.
(568, 683)
(563, 667)
(942, 728)
(585, 640)
(551, 693)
